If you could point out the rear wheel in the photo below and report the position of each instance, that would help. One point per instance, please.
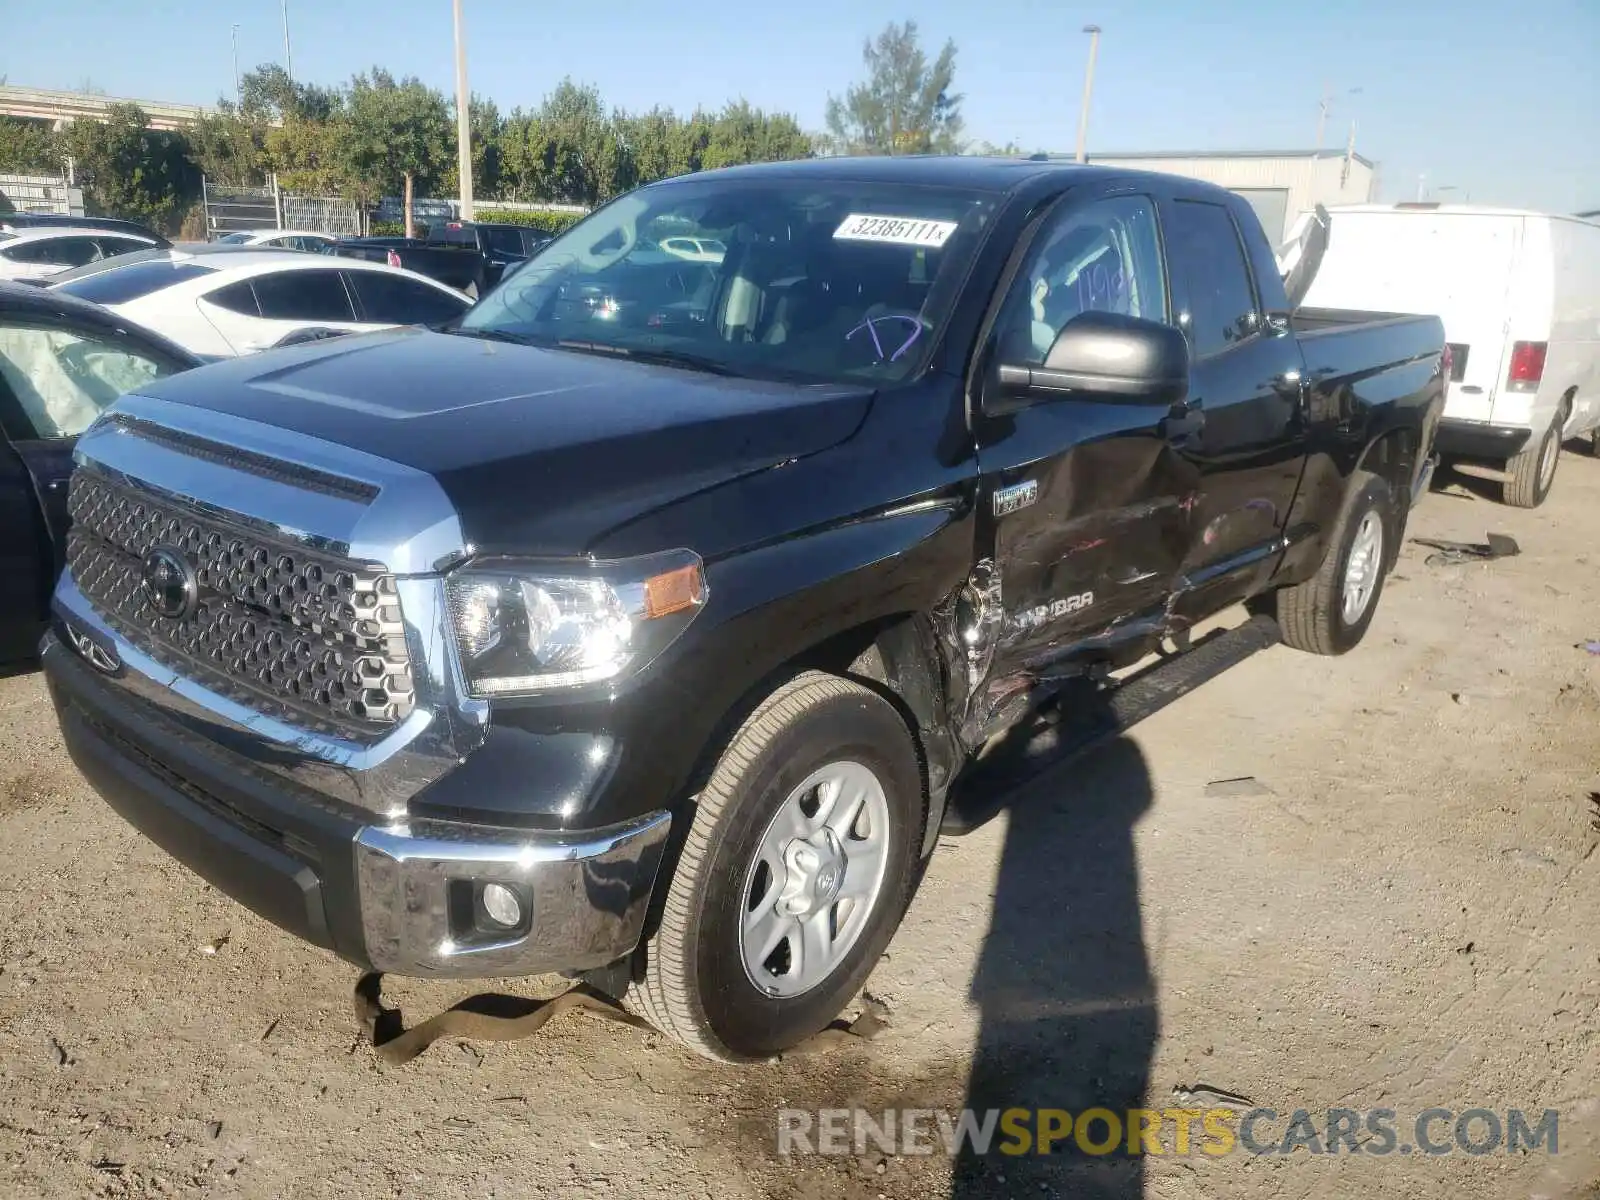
(794, 874)
(1530, 474)
(1330, 612)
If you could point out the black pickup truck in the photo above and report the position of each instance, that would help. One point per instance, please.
(647, 624)
(460, 254)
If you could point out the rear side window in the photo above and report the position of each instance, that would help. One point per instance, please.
(237, 297)
(395, 300)
(505, 241)
(1222, 306)
(118, 285)
(303, 296)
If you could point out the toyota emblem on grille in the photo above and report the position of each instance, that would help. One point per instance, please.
(169, 583)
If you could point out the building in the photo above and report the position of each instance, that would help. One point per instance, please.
(1280, 185)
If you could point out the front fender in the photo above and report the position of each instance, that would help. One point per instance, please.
(770, 611)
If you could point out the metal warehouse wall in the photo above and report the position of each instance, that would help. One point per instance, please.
(1301, 180)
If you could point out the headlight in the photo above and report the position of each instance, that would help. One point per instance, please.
(526, 627)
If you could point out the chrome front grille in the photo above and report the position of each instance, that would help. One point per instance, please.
(287, 629)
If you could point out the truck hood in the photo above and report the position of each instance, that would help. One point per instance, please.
(541, 451)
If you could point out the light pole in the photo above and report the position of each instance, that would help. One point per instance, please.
(1325, 104)
(238, 96)
(288, 58)
(1088, 89)
(463, 119)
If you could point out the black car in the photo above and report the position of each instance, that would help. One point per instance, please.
(12, 222)
(653, 621)
(62, 361)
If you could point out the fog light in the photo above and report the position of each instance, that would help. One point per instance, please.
(501, 905)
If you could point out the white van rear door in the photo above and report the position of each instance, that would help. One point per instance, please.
(1456, 265)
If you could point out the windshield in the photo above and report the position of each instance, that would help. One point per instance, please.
(800, 278)
(234, 239)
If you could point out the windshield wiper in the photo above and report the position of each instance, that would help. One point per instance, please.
(492, 335)
(647, 354)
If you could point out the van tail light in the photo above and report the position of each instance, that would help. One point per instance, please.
(1527, 366)
(1447, 362)
(393, 258)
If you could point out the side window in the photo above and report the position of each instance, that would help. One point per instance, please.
(236, 297)
(303, 296)
(392, 300)
(64, 380)
(113, 245)
(56, 252)
(73, 251)
(504, 241)
(1222, 305)
(1103, 257)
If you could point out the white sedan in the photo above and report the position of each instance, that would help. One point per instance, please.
(223, 301)
(40, 253)
(280, 239)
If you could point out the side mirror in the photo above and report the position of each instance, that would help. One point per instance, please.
(1100, 356)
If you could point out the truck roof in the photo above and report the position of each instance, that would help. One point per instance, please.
(951, 170)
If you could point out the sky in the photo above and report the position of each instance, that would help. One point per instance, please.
(1492, 102)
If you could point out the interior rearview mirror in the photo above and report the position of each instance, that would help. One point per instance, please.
(1101, 356)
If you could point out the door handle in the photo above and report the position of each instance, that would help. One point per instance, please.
(1184, 423)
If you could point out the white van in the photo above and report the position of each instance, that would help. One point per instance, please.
(1519, 294)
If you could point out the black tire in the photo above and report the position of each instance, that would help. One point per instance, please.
(695, 986)
(1530, 477)
(1311, 614)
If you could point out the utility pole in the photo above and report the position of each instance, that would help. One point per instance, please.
(1422, 187)
(288, 58)
(238, 96)
(463, 119)
(1088, 90)
(1324, 105)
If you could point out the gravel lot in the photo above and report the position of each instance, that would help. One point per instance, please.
(1404, 914)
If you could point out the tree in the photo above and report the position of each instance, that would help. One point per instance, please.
(229, 147)
(27, 145)
(486, 127)
(268, 94)
(396, 129)
(904, 106)
(129, 170)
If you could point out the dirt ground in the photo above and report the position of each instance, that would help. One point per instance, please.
(1401, 912)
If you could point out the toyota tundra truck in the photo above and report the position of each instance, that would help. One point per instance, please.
(645, 623)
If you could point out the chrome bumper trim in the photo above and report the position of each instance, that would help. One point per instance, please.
(590, 891)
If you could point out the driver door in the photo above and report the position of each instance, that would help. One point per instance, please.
(1085, 507)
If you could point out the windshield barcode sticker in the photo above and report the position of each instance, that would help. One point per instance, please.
(903, 231)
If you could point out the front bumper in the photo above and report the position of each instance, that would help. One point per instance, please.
(391, 897)
(1479, 440)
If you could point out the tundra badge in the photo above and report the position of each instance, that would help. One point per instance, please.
(1018, 495)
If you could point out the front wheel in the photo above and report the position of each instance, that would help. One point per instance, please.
(1530, 474)
(1329, 613)
(793, 877)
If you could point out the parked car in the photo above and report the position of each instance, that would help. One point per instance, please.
(41, 253)
(465, 255)
(62, 361)
(280, 239)
(220, 301)
(571, 640)
(1517, 292)
(16, 222)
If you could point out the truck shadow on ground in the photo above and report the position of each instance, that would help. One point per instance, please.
(1063, 983)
